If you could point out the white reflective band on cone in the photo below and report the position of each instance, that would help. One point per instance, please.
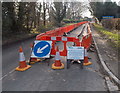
(22, 57)
(57, 57)
(85, 52)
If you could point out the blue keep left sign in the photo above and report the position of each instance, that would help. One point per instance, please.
(41, 49)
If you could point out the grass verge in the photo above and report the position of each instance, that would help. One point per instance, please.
(69, 24)
(113, 36)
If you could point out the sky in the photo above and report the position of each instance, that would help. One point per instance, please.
(87, 13)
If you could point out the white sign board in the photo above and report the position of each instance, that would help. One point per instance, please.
(75, 53)
(41, 49)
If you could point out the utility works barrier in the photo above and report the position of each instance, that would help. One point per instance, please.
(44, 47)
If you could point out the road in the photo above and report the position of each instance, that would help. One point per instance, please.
(40, 77)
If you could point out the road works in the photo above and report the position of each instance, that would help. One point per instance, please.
(40, 77)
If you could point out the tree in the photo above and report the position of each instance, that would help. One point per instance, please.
(110, 8)
(8, 16)
(39, 7)
(99, 9)
(118, 12)
(75, 9)
(17, 16)
(59, 11)
(22, 10)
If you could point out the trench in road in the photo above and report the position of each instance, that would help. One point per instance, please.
(42, 78)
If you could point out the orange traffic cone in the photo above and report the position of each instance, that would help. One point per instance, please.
(58, 64)
(22, 65)
(86, 62)
(33, 60)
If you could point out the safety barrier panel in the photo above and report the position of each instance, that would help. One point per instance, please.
(56, 35)
(60, 38)
(87, 38)
(60, 31)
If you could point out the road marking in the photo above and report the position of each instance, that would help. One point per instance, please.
(12, 71)
(7, 74)
(3, 77)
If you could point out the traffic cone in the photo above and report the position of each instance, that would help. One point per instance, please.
(22, 65)
(33, 60)
(86, 62)
(58, 64)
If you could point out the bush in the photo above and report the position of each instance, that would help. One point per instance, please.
(112, 36)
(113, 24)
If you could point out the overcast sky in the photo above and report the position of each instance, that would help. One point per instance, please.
(88, 14)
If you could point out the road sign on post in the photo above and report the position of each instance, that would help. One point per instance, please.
(107, 17)
(41, 49)
(76, 53)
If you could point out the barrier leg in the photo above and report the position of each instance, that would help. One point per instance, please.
(64, 52)
(81, 64)
(68, 63)
(53, 51)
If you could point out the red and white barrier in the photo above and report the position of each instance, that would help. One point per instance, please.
(60, 38)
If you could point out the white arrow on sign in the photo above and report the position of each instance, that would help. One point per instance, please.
(40, 50)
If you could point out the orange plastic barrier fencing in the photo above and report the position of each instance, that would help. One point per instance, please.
(56, 35)
(87, 39)
(60, 31)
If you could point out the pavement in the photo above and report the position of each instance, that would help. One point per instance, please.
(108, 56)
(40, 77)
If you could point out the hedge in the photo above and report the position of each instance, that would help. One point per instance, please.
(113, 24)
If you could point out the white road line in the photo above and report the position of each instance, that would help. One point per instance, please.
(3, 76)
(12, 71)
(7, 74)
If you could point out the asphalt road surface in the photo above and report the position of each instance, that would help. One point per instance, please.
(40, 77)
